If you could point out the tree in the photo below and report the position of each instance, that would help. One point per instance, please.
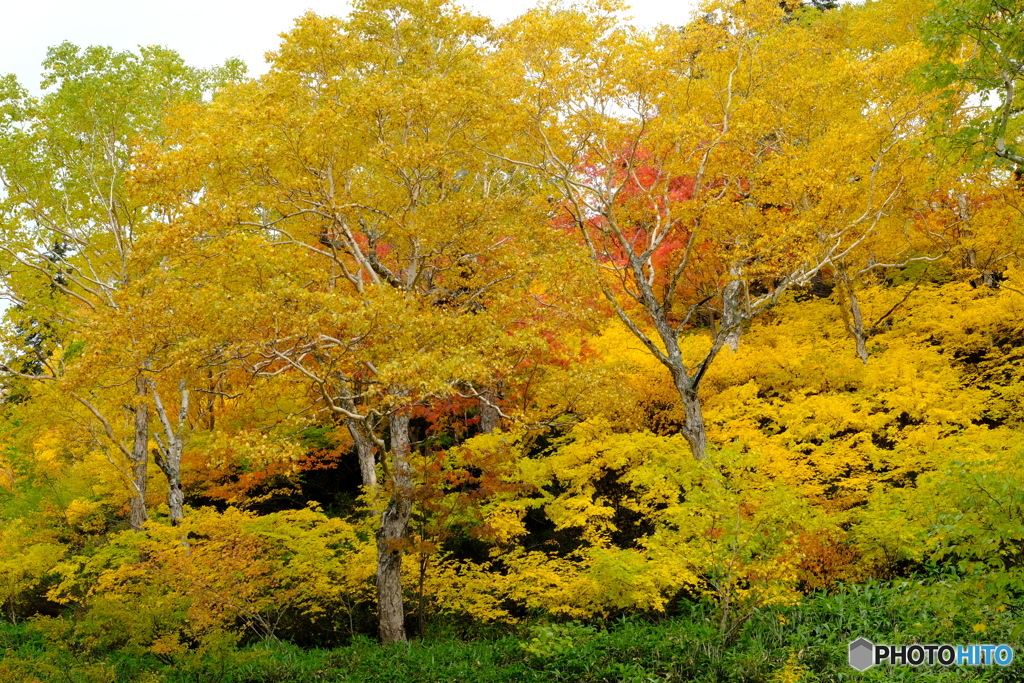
(703, 186)
(877, 112)
(71, 226)
(391, 261)
(981, 44)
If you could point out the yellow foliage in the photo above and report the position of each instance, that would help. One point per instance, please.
(653, 522)
(25, 560)
(344, 235)
(231, 566)
(85, 515)
(792, 672)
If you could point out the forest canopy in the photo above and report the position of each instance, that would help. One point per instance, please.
(556, 321)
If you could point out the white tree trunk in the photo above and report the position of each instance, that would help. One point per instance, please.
(168, 455)
(140, 457)
(733, 309)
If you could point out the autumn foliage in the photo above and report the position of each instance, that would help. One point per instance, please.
(548, 321)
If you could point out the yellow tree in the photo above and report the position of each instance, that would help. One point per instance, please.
(69, 224)
(879, 118)
(392, 263)
(669, 151)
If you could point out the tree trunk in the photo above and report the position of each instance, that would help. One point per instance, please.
(860, 336)
(853, 318)
(855, 321)
(168, 456)
(140, 457)
(175, 497)
(365, 447)
(686, 383)
(970, 258)
(394, 524)
(365, 452)
(693, 429)
(169, 462)
(490, 416)
(733, 308)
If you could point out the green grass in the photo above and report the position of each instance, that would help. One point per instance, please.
(813, 636)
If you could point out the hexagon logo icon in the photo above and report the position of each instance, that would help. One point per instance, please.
(862, 654)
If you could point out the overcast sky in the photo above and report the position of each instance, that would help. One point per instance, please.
(205, 32)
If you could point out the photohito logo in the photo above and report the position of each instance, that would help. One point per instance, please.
(864, 654)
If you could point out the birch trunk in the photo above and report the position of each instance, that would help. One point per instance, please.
(140, 457)
(168, 455)
(732, 308)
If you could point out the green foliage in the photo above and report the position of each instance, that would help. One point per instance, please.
(553, 640)
(979, 47)
(806, 642)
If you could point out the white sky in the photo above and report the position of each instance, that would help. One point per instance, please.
(206, 32)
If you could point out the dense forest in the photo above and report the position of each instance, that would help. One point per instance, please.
(558, 350)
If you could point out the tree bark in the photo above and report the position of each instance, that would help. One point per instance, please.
(176, 498)
(168, 456)
(860, 336)
(970, 258)
(853, 318)
(169, 462)
(365, 447)
(490, 415)
(140, 457)
(364, 451)
(694, 430)
(394, 524)
(685, 381)
(732, 307)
